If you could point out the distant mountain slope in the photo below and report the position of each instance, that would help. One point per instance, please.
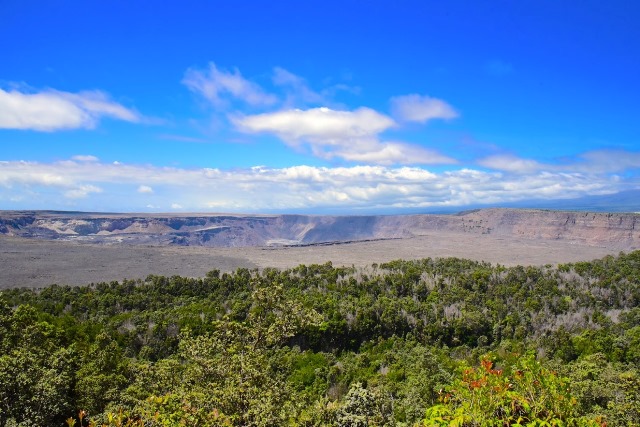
(616, 230)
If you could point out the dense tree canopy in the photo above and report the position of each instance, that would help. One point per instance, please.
(425, 342)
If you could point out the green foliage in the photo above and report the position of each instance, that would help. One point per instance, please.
(104, 372)
(36, 369)
(233, 369)
(605, 388)
(523, 393)
(362, 408)
(320, 345)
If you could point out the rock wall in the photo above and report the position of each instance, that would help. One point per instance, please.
(606, 229)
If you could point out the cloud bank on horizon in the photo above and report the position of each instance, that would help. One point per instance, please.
(215, 137)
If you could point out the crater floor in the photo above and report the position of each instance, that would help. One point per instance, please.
(36, 263)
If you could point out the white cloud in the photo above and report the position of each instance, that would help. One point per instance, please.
(511, 163)
(327, 133)
(85, 158)
(590, 162)
(349, 135)
(82, 191)
(599, 161)
(96, 184)
(220, 86)
(282, 77)
(389, 153)
(53, 110)
(317, 124)
(145, 189)
(417, 108)
(298, 91)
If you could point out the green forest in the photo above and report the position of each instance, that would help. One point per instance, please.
(431, 342)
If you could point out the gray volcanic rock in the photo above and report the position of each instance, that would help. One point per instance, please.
(616, 230)
(606, 229)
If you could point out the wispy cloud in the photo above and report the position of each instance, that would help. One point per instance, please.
(220, 87)
(600, 161)
(182, 138)
(511, 163)
(85, 158)
(52, 110)
(89, 185)
(82, 191)
(298, 92)
(328, 133)
(590, 162)
(391, 153)
(421, 109)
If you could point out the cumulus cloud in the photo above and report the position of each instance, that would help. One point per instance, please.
(53, 110)
(145, 189)
(326, 131)
(317, 124)
(421, 109)
(349, 135)
(88, 185)
(220, 87)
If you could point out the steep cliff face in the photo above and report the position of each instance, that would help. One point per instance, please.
(586, 227)
(612, 230)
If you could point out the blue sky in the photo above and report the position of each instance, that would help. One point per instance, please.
(333, 106)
